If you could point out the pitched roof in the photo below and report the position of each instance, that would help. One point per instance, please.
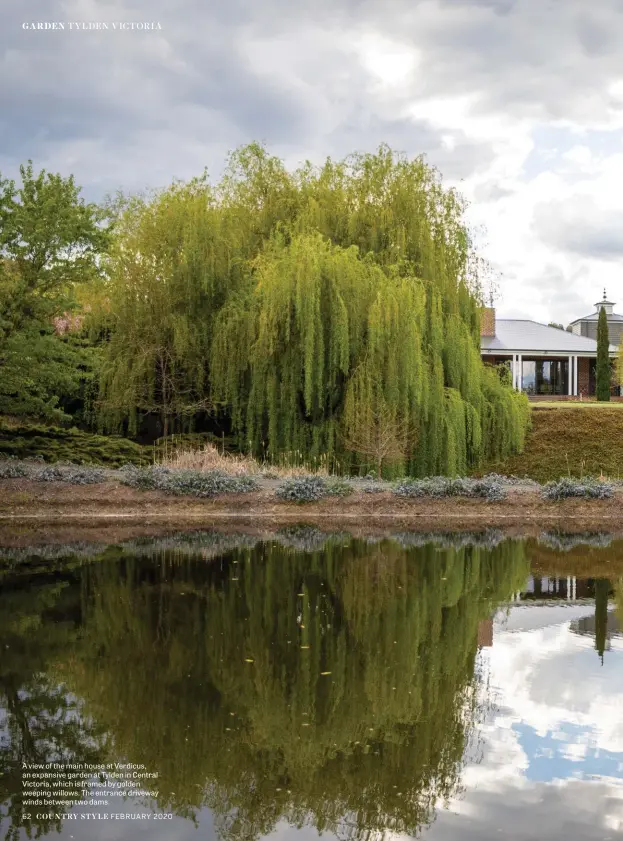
(522, 335)
(613, 316)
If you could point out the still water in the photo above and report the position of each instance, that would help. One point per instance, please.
(455, 687)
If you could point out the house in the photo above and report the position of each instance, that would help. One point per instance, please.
(543, 360)
(587, 326)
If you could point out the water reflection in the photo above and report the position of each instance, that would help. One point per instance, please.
(347, 686)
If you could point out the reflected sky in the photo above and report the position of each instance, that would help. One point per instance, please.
(552, 742)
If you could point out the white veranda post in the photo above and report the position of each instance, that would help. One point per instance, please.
(570, 377)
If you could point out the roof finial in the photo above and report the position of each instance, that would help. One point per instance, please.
(604, 293)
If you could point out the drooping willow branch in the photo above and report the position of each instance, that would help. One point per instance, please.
(281, 296)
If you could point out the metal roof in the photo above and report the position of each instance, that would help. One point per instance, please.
(523, 336)
(595, 315)
(611, 316)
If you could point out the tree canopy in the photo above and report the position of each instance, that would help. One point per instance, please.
(51, 243)
(292, 305)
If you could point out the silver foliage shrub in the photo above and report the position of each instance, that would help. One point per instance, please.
(186, 482)
(441, 486)
(302, 489)
(587, 489)
(12, 469)
(70, 473)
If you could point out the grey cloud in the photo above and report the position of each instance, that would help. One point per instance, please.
(105, 84)
(578, 227)
(405, 135)
(102, 103)
(549, 811)
(490, 191)
(529, 58)
(222, 74)
(595, 34)
(499, 7)
(563, 295)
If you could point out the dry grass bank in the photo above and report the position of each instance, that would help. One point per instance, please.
(566, 441)
(209, 457)
(583, 561)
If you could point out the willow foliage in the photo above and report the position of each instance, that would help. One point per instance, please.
(299, 305)
(332, 689)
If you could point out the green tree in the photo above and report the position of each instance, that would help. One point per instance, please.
(377, 435)
(376, 279)
(603, 370)
(43, 374)
(51, 243)
(166, 282)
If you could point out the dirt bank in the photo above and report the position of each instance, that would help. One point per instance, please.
(113, 511)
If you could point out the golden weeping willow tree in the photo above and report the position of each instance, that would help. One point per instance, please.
(306, 305)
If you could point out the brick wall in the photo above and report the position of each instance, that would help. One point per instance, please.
(487, 321)
(583, 375)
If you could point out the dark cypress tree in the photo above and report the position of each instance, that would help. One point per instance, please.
(602, 591)
(603, 372)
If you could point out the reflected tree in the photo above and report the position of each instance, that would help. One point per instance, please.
(40, 721)
(602, 591)
(334, 689)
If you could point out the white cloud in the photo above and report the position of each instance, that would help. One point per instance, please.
(547, 681)
(535, 676)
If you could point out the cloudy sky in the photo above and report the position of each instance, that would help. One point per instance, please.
(519, 103)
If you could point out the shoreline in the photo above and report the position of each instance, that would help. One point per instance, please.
(53, 512)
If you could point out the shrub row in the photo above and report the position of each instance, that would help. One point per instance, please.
(298, 489)
(72, 473)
